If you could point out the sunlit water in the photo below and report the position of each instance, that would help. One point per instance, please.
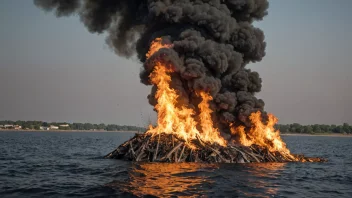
(58, 164)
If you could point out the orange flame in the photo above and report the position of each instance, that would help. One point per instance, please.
(261, 134)
(156, 45)
(179, 120)
(209, 132)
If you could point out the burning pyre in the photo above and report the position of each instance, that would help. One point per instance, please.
(194, 54)
(178, 137)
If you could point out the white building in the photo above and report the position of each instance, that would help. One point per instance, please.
(44, 128)
(17, 127)
(7, 126)
(52, 127)
(64, 125)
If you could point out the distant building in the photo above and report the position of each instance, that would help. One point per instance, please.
(52, 127)
(64, 125)
(44, 128)
(17, 127)
(8, 126)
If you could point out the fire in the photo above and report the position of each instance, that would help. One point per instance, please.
(171, 119)
(155, 46)
(209, 132)
(179, 119)
(261, 134)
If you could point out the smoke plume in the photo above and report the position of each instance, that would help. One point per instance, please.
(213, 41)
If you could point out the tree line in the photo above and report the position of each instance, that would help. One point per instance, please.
(315, 128)
(284, 128)
(35, 125)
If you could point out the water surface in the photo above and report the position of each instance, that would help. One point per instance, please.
(62, 164)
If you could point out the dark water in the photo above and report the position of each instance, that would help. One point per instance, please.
(36, 164)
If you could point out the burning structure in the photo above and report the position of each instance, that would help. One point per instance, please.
(194, 55)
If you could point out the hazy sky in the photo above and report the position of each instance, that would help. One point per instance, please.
(54, 70)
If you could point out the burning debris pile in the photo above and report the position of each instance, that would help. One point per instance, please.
(170, 148)
(194, 55)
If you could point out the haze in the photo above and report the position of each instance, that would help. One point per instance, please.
(54, 70)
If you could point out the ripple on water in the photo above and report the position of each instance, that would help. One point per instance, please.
(71, 165)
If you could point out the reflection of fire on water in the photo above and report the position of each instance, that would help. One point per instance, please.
(195, 179)
(165, 179)
(259, 176)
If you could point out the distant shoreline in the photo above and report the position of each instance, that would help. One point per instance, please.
(68, 131)
(317, 134)
(91, 131)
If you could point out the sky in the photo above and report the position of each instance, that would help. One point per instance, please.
(53, 69)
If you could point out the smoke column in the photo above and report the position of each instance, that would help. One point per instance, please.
(213, 41)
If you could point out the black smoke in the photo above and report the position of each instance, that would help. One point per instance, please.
(213, 41)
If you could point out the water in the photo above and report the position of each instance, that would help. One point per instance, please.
(61, 164)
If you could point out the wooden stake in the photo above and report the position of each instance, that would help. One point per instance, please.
(157, 147)
(172, 151)
(131, 148)
(183, 149)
